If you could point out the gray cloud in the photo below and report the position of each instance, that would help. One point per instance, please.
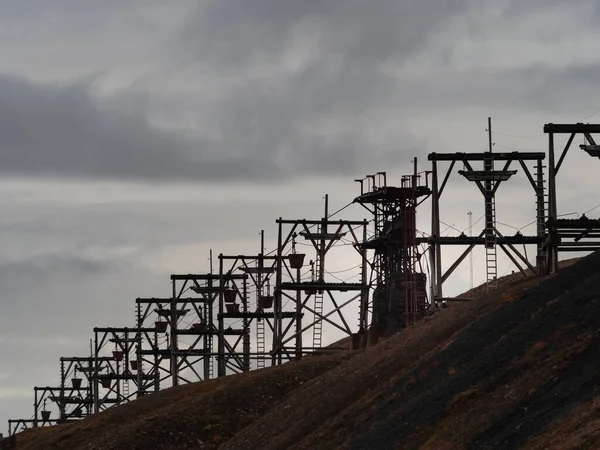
(276, 90)
(66, 132)
(235, 33)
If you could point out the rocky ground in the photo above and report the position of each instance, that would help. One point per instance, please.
(518, 367)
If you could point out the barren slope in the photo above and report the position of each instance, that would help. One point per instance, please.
(515, 367)
(524, 374)
(199, 415)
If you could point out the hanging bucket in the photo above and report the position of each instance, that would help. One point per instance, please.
(76, 383)
(199, 326)
(266, 301)
(133, 364)
(229, 295)
(105, 383)
(45, 416)
(118, 355)
(76, 412)
(160, 326)
(310, 292)
(296, 260)
(230, 307)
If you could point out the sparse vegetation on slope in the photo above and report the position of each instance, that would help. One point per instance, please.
(518, 367)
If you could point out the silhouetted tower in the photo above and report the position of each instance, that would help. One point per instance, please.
(399, 298)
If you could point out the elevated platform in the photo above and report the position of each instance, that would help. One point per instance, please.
(309, 286)
(322, 236)
(69, 400)
(168, 300)
(570, 128)
(506, 156)
(190, 332)
(256, 270)
(124, 376)
(487, 175)
(206, 289)
(467, 240)
(390, 194)
(204, 277)
(257, 315)
(592, 150)
(583, 223)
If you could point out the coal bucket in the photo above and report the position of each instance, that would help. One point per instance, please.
(296, 260)
(229, 295)
(266, 301)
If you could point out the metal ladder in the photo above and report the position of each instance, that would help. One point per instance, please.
(542, 214)
(260, 343)
(318, 327)
(125, 389)
(318, 308)
(491, 256)
(211, 370)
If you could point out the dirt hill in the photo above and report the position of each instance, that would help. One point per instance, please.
(514, 368)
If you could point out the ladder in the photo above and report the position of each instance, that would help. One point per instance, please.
(209, 341)
(318, 327)
(260, 343)
(125, 389)
(542, 212)
(491, 257)
(318, 308)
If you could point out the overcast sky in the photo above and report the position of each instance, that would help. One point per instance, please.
(137, 135)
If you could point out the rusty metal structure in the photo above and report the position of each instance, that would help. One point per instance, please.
(269, 308)
(399, 296)
(568, 235)
(313, 296)
(487, 180)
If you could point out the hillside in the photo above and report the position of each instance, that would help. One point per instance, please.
(517, 367)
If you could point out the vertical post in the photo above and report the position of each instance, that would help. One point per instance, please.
(221, 338)
(246, 328)
(259, 287)
(552, 207)
(322, 243)
(157, 360)
(276, 351)
(61, 407)
(364, 297)
(35, 409)
(118, 380)
(541, 216)
(174, 349)
(298, 317)
(488, 166)
(207, 325)
(435, 253)
(96, 368)
(90, 381)
(490, 144)
(470, 214)
(141, 389)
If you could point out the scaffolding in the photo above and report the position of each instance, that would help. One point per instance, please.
(399, 297)
(294, 287)
(255, 313)
(568, 235)
(487, 181)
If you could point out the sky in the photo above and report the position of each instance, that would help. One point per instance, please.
(135, 136)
